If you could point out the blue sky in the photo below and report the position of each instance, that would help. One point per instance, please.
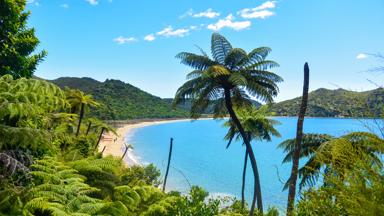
(136, 41)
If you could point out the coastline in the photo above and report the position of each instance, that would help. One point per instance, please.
(114, 144)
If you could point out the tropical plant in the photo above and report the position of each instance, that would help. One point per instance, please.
(357, 190)
(27, 110)
(79, 103)
(17, 41)
(226, 81)
(257, 126)
(327, 154)
(299, 137)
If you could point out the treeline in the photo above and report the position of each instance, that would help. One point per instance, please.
(121, 101)
(336, 103)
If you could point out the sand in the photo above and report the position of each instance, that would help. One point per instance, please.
(115, 145)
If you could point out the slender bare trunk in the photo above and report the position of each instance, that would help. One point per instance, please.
(80, 119)
(125, 152)
(299, 136)
(100, 136)
(88, 128)
(169, 162)
(103, 150)
(243, 180)
(257, 189)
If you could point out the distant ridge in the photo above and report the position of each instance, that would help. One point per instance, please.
(336, 103)
(121, 100)
(124, 101)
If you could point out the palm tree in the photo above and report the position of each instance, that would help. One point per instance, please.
(77, 99)
(326, 153)
(299, 137)
(257, 126)
(226, 82)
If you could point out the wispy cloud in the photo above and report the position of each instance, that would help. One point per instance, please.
(35, 2)
(150, 37)
(64, 6)
(209, 13)
(92, 2)
(361, 56)
(123, 40)
(262, 11)
(170, 32)
(228, 22)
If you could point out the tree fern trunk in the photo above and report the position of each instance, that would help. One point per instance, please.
(257, 189)
(80, 119)
(101, 135)
(243, 180)
(299, 137)
(88, 128)
(169, 162)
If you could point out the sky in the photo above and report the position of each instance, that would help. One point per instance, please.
(137, 41)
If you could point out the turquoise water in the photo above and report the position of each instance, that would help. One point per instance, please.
(200, 157)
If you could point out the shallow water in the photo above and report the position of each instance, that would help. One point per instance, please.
(200, 157)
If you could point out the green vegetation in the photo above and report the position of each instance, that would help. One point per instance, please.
(351, 167)
(50, 166)
(226, 82)
(336, 103)
(121, 101)
(49, 137)
(17, 41)
(257, 127)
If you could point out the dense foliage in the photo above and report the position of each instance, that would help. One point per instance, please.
(336, 103)
(49, 159)
(17, 41)
(121, 101)
(48, 168)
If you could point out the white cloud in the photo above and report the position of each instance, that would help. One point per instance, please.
(64, 6)
(150, 37)
(266, 5)
(92, 2)
(35, 2)
(261, 11)
(123, 40)
(208, 14)
(228, 22)
(169, 32)
(361, 56)
(249, 14)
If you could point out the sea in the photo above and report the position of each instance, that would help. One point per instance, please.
(200, 156)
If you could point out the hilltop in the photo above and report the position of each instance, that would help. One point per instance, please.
(124, 101)
(335, 103)
(121, 100)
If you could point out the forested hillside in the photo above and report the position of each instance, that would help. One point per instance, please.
(336, 103)
(121, 100)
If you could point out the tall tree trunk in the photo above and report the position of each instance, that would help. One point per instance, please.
(88, 128)
(169, 162)
(243, 180)
(257, 188)
(299, 137)
(101, 135)
(80, 119)
(125, 152)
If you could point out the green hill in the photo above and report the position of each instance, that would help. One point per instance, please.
(335, 103)
(121, 100)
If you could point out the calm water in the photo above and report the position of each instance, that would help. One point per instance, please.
(200, 158)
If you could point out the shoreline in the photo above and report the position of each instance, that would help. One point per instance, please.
(115, 144)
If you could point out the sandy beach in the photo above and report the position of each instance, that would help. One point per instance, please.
(114, 144)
